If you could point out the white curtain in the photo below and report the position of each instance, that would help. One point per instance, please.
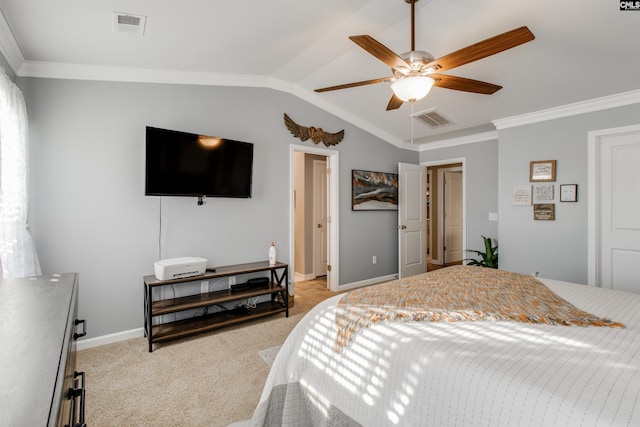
(17, 252)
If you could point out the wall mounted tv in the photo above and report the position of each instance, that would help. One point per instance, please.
(187, 164)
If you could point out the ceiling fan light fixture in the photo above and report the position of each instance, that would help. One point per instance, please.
(412, 88)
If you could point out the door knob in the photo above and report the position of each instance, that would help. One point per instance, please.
(402, 227)
(319, 225)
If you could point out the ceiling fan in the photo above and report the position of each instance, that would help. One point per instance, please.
(415, 72)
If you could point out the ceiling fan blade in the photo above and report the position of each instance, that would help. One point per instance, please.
(394, 103)
(355, 84)
(380, 51)
(464, 84)
(482, 49)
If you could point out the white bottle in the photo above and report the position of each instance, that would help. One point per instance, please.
(272, 254)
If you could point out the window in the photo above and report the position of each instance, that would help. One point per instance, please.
(17, 252)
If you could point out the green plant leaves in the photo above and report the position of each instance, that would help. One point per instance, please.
(489, 256)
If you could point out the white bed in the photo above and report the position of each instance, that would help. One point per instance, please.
(488, 373)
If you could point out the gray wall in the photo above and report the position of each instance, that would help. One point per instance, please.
(7, 68)
(481, 162)
(556, 249)
(88, 212)
(369, 232)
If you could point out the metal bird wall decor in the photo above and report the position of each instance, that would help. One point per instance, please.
(317, 135)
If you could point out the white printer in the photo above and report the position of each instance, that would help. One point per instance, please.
(176, 268)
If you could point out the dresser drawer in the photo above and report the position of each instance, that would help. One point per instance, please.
(72, 392)
(38, 329)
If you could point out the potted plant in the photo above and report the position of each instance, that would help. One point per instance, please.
(489, 258)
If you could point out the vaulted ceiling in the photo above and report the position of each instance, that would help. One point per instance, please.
(582, 50)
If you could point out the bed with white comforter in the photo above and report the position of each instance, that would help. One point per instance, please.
(461, 373)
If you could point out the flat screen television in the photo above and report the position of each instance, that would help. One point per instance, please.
(187, 164)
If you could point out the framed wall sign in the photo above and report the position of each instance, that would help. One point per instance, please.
(544, 192)
(544, 211)
(569, 193)
(542, 171)
(522, 195)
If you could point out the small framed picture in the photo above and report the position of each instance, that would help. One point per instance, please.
(569, 193)
(542, 171)
(522, 195)
(544, 192)
(544, 212)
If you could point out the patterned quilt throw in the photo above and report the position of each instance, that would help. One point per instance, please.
(459, 293)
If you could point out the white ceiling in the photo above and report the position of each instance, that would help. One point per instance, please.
(583, 50)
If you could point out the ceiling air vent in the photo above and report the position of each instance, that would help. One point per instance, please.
(432, 118)
(128, 23)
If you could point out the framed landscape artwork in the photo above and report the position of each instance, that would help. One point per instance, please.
(374, 191)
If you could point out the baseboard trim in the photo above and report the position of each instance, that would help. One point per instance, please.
(108, 339)
(139, 332)
(372, 281)
(301, 277)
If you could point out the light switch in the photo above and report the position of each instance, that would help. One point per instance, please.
(493, 216)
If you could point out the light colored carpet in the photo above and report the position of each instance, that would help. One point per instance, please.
(269, 354)
(212, 379)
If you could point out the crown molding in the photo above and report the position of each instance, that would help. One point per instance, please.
(462, 140)
(323, 104)
(122, 74)
(142, 75)
(589, 106)
(8, 45)
(56, 70)
(23, 68)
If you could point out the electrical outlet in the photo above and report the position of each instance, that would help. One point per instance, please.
(374, 259)
(204, 286)
(232, 280)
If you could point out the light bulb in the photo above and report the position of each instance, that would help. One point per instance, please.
(412, 88)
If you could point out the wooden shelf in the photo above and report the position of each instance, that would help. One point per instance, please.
(224, 271)
(189, 302)
(278, 290)
(221, 319)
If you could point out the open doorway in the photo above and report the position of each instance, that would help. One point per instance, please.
(310, 216)
(314, 216)
(446, 229)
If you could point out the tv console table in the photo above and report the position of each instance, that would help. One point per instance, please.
(278, 286)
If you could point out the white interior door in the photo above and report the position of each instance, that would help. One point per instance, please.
(452, 217)
(429, 195)
(320, 212)
(618, 195)
(412, 219)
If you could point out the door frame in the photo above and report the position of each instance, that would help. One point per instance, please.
(317, 259)
(593, 181)
(332, 157)
(439, 232)
(442, 221)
